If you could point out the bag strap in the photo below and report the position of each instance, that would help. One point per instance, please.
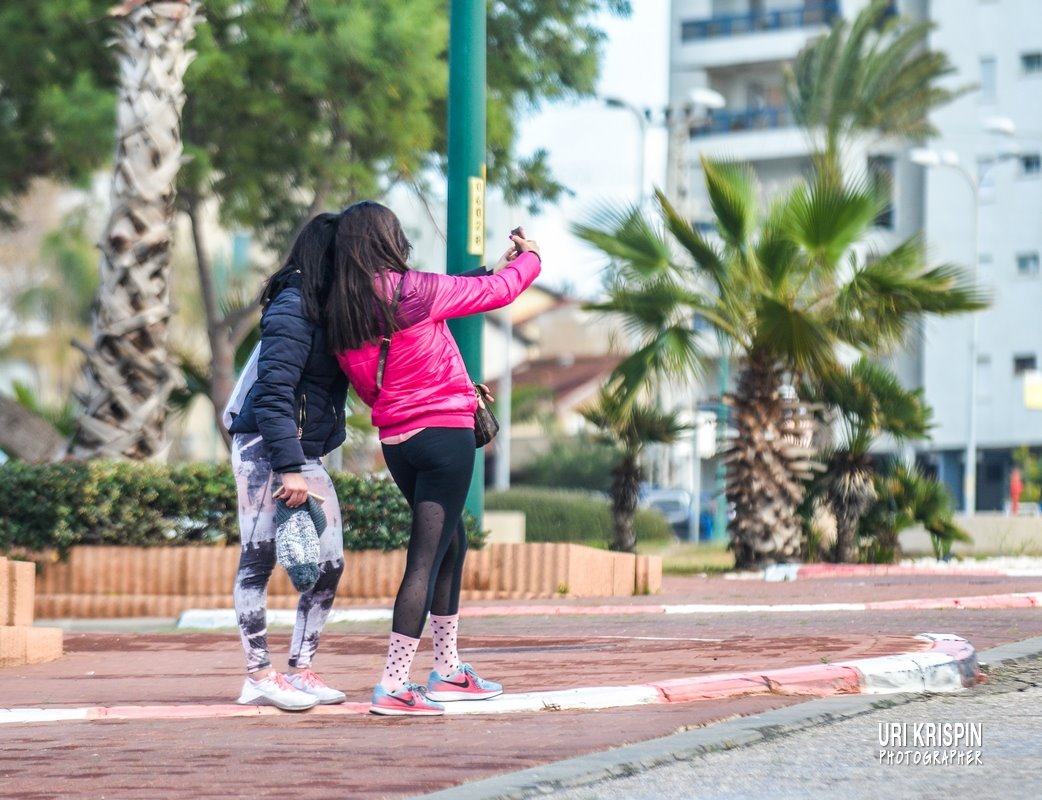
(385, 341)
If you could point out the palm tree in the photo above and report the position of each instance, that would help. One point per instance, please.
(784, 291)
(129, 371)
(868, 400)
(875, 75)
(906, 497)
(632, 426)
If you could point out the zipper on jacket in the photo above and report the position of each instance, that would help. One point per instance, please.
(302, 415)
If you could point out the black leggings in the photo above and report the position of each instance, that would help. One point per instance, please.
(433, 469)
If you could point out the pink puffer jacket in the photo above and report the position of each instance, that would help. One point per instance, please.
(425, 380)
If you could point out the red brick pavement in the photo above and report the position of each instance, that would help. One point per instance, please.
(368, 757)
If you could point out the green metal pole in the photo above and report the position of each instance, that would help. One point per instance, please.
(466, 212)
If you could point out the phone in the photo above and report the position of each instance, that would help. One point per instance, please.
(517, 232)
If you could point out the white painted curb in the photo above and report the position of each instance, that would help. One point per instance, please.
(214, 618)
(943, 670)
(562, 700)
(12, 715)
(950, 666)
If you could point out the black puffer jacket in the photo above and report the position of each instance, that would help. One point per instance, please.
(297, 403)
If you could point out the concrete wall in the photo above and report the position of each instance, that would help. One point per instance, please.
(20, 642)
(993, 535)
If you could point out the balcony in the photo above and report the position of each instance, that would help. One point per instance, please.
(749, 119)
(816, 12)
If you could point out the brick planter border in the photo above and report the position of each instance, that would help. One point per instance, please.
(103, 581)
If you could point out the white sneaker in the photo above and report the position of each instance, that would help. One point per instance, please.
(309, 683)
(275, 690)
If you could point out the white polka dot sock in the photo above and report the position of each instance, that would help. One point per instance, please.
(400, 652)
(444, 631)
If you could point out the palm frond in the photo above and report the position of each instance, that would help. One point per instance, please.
(634, 425)
(873, 401)
(948, 289)
(900, 82)
(626, 235)
(908, 497)
(827, 217)
(732, 194)
(702, 252)
(777, 255)
(875, 307)
(796, 337)
(875, 74)
(675, 352)
(644, 308)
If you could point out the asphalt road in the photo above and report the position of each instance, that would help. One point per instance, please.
(846, 759)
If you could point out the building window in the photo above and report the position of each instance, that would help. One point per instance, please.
(881, 173)
(1031, 63)
(1030, 165)
(988, 79)
(1027, 265)
(1024, 363)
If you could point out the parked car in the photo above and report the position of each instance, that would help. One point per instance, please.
(674, 505)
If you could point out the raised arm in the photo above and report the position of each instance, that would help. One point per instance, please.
(458, 296)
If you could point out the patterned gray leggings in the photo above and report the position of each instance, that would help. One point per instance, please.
(255, 483)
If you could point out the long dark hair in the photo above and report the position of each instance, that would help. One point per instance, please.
(311, 256)
(369, 243)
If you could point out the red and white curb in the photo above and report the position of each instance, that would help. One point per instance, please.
(948, 665)
(210, 619)
(792, 572)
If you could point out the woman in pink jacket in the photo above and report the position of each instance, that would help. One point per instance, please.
(423, 406)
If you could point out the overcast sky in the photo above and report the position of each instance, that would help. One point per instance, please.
(594, 149)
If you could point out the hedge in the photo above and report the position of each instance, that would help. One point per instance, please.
(107, 502)
(554, 515)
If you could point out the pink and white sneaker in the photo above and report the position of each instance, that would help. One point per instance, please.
(409, 701)
(308, 682)
(463, 684)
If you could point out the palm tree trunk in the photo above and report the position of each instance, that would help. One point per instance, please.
(625, 487)
(129, 372)
(766, 466)
(850, 494)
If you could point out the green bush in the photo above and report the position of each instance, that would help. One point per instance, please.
(552, 515)
(108, 502)
(580, 462)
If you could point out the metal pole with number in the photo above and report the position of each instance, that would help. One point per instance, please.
(466, 204)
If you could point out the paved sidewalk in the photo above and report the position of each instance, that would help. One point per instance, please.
(356, 755)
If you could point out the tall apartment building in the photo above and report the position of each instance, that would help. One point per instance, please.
(739, 49)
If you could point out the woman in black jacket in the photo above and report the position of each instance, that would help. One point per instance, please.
(293, 415)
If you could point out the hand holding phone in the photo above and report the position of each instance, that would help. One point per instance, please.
(530, 245)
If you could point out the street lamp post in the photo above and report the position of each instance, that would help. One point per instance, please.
(699, 99)
(642, 121)
(948, 158)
